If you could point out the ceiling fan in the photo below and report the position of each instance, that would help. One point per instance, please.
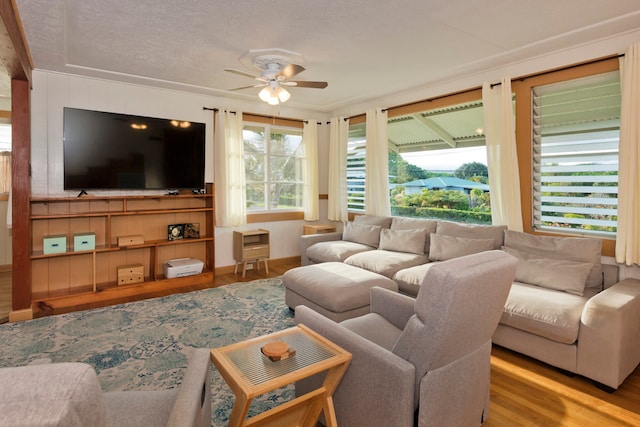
(275, 72)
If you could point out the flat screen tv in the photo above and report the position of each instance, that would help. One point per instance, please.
(108, 151)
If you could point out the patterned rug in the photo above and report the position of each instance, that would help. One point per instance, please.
(145, 345)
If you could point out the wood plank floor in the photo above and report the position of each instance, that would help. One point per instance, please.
(524, 392)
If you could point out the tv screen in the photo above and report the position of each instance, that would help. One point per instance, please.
(121, 151)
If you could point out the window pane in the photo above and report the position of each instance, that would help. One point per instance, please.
(273, 161)
(5, 137)
(575, 155)
(286, 196)
(255, 197)
(438, 166)
(356, 168)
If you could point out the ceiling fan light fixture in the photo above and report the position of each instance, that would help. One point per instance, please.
(274, 95)
(283, 94)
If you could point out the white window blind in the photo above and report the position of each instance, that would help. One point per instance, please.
(575, 155)
(356, 168)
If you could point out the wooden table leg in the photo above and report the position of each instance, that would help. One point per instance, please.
(240, 410)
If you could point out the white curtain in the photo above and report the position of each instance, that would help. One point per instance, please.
(310, 171)
(337, 185)
(376, 187)
(502, 158)
(231, 205)
(628, 234)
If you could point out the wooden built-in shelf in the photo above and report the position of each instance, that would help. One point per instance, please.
(92, 274)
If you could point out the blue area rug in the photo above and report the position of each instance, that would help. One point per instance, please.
(145, 345)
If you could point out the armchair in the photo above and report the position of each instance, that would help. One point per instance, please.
(428, 357)
(68, 394)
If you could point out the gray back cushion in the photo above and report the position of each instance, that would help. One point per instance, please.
(471, 231)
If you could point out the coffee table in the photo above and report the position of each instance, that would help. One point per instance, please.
(249, 374)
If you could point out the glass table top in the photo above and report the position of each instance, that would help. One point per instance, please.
(259, 369)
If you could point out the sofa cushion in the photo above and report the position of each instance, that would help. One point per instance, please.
(335, 286)
(472, 231)
(410, 241)
(335, 250)
(384, 262)
(404, 223)
(380, 221)
(544, 312)
(444, 247)
(410, 279)
(558, 274)
(581, 249)
(362, 233)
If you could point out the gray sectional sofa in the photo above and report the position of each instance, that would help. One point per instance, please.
(565, 307)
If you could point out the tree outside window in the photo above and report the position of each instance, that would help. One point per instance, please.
(273, 168)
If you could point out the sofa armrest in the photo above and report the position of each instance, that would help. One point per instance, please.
(378, 387)
(394, 307)
(192, 406)
(609, 337)
(307, 240)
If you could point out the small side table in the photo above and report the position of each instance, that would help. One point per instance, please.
(251, 246)
(249, 374)
(318, 229)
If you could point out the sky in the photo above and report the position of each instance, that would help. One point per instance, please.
(446, 160)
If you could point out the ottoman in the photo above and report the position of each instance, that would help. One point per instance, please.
(336, 290)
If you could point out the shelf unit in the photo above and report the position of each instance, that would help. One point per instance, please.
(108, 217)
(250, 246)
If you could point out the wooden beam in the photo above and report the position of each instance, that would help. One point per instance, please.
(20, 194)
(14, 50)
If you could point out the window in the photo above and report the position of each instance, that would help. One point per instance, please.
(5, 158)
(575, 129)
(438, 164)
(356, 167)
(273, 167)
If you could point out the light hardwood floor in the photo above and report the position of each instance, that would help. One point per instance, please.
(524, 392)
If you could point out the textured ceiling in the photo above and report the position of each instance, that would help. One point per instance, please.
(364, 49)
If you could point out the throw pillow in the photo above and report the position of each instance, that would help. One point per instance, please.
(361, 233)
(380, 221)
(445, 247)
(557, 274)
(581, 249)
(405, 223)
(470, 231)
(410, 241)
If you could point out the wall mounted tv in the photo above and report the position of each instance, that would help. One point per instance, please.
(107, 151)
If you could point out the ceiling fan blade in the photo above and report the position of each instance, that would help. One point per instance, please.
(290, 71)
(313, 85)
(242, 73)
(247, 87)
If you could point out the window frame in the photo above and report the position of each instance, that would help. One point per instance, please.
(523, 90)
(281, 215)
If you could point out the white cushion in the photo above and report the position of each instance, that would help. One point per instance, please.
(581, 249)
(558, 274)
(362, 233)
(384, 262)
(335, 250)
(444, 247)
(410, 241)
(544, 312)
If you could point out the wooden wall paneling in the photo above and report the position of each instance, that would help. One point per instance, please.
(40, 277)
(81, 272)
(59, 274)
